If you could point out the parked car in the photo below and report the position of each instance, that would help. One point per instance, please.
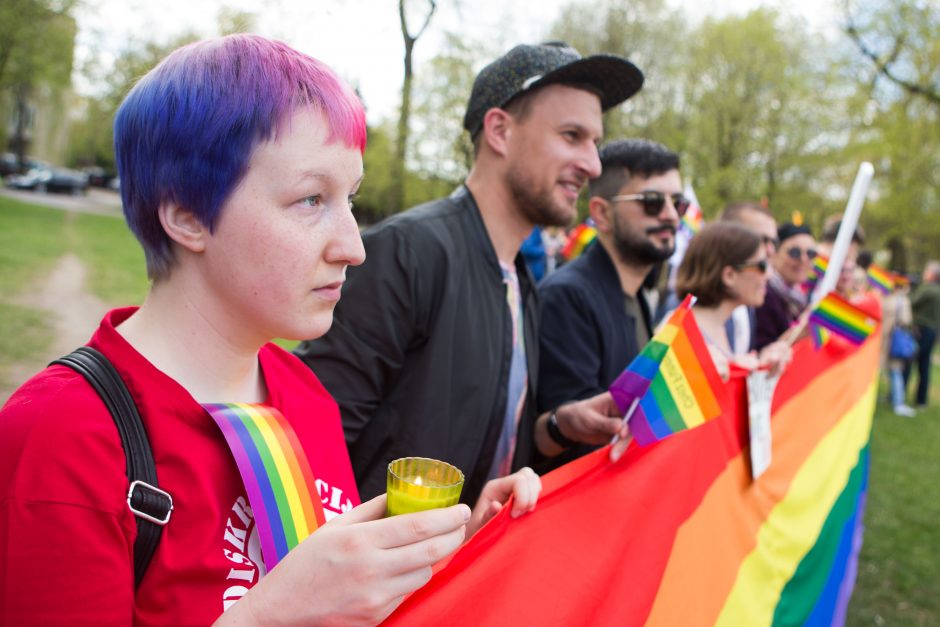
(97, 176)
(9, 164)
(45, 178)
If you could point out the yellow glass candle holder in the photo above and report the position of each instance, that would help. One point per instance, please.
(418, 483)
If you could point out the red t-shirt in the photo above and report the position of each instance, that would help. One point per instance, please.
(66, 534)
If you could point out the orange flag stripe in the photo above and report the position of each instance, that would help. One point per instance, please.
(706, 544)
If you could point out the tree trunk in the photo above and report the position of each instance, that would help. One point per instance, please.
(19, 142)
(401, 140)
(397, 192)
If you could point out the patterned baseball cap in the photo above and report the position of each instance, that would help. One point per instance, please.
(526, 67)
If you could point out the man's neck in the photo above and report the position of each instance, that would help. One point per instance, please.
(631, 275)
(504, 223)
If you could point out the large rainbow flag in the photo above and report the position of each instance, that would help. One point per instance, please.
(678, 533)
(672, 384)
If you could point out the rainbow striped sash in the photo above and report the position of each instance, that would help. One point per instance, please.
(281, 487)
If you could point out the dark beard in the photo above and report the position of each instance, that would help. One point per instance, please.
(537, 207)
(637, 249)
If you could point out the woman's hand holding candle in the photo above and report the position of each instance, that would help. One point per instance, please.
(355, 570)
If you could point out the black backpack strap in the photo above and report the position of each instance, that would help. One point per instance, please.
(150, 505)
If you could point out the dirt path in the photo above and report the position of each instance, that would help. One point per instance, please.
(75, 315)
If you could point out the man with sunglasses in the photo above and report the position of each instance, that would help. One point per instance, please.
(785, 298)
(594, 316)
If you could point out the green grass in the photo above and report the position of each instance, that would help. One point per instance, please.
(24, 332)
(32, 239)
(899, 569)
(287, 345)
(117, 272)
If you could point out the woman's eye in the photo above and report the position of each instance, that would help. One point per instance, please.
(312, 201)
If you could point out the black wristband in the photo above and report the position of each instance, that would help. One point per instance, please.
(555, 433)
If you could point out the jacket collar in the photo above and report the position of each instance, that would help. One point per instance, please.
(602, 266)
(463, 197)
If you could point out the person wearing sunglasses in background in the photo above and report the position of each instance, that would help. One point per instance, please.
(741, 327)
(847, 285)
(594, 316)
(726, 266)
(785, 298)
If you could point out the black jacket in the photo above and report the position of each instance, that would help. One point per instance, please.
(586, 337)
(419, 352)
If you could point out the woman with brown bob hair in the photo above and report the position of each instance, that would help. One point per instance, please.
(726, 266)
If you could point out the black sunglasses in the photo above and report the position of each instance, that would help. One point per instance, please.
(653, 202)
(795, 253)
(761, 265)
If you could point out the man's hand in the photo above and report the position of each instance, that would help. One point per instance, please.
(594, 420)
(523, 485)
(355, 570)
(624, 437)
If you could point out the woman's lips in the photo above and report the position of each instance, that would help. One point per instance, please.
(330, 291)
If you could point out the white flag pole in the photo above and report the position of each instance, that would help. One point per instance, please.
(846, 231)
(840, 249)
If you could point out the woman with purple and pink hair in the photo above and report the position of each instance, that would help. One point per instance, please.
(239, 159)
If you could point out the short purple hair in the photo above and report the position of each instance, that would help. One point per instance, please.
(186, 131)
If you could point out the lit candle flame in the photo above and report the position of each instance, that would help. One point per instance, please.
(418, 480)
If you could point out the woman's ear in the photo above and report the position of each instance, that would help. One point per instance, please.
(729, 278)
(183, 227)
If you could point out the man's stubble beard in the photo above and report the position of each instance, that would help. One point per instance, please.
(538, 206)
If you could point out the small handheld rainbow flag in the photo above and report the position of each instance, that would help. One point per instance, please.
(841, 318)
(281, 487)
(816, 272)
(672, 384)
(880, 279)
(693, 219)
(580, 237)
(819, 334)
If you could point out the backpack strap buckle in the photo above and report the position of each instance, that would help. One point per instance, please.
(150, 503)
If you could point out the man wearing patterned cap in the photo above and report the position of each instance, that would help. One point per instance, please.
(433, 350)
